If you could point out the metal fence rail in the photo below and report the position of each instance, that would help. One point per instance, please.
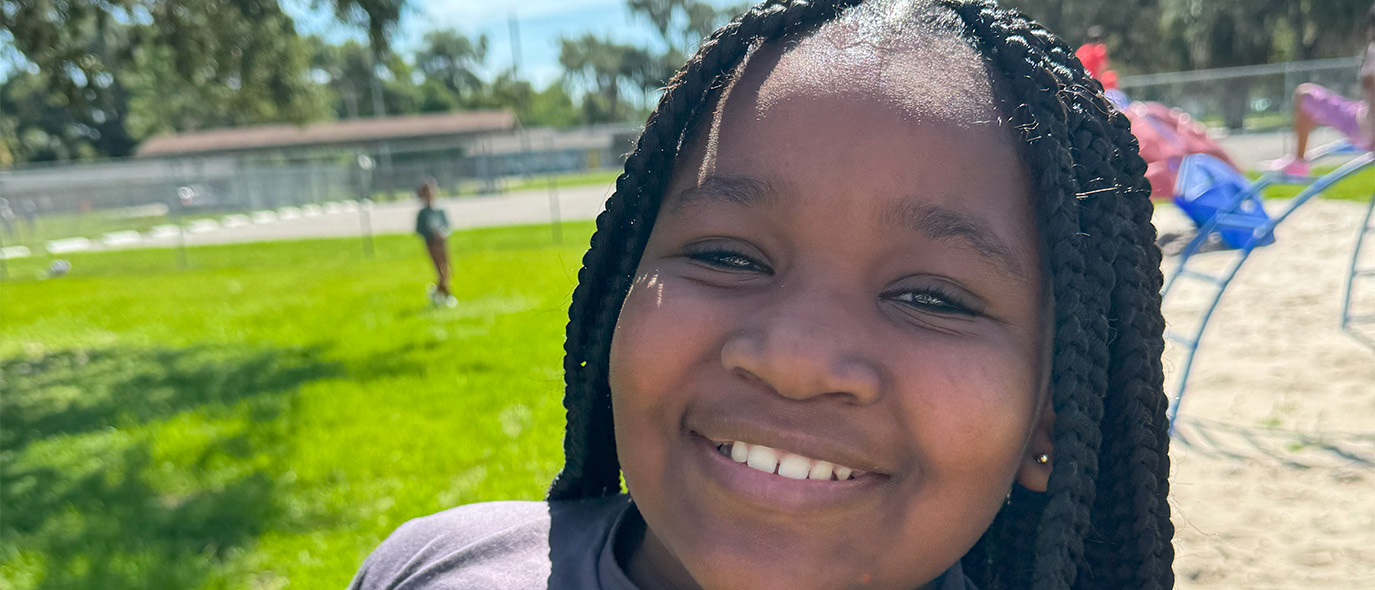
(67, 207)
(1247, 97)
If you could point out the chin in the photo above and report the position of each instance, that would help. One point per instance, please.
(746, 560)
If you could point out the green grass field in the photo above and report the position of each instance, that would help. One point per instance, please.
(265, 418)
(1357, 187)
(572, 179)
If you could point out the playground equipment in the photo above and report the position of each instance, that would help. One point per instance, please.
(1166, 136)
(1349, 320)
(1231, 209)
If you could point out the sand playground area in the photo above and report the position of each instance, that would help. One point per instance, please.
(1273, 461)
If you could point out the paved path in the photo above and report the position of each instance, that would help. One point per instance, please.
(578, 203)
(343, 220)
(1252, 150)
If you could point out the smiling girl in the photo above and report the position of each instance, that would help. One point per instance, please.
(875, 305)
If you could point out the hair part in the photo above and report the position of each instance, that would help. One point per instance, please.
(1103, 521)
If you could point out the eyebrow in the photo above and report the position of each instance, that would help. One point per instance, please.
(938, 223)
(945, 224)
(735, 190)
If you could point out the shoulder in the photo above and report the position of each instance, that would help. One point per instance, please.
(479, 540)
(493, 545)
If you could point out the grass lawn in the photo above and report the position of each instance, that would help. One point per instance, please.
(572, 179)
(1357, 187)
(267, 417)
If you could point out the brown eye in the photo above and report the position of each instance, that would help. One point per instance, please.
(934, 300)
(729, 261)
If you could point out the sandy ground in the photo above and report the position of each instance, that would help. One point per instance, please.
(1273, 475)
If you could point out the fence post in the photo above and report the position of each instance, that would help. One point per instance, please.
(4, 260)
(555, 220)
(365, 166)
(185, 195)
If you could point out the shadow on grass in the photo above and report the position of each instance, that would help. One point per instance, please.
(112, 500)
(77, 391)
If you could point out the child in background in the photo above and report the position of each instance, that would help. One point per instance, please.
(1316, 106)
(433, 225)
(1094, 55)
(875, 304)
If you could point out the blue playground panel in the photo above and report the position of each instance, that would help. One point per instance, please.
(1207, 189)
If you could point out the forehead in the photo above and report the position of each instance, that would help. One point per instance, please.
(912, 69)
(928, 74)
(854, 128)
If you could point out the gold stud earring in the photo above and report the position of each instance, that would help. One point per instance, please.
(1043, 458)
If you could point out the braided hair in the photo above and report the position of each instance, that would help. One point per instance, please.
(1103, 521)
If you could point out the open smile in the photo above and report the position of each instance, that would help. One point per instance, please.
(779, 480)
(786, 464)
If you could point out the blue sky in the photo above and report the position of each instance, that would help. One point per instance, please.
(541, 24)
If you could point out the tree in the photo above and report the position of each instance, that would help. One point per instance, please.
(348, 73)
(125, 68)
(1243, 32)
(682, 24)
(450, 59)
(378, 17)
(552, 107)
(606, 68)
(1168, 35)
(1132, 29)
(1225, 33)
(37, 126)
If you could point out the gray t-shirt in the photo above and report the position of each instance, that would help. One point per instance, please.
(566, 545)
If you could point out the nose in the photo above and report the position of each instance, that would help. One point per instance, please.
(805, 348)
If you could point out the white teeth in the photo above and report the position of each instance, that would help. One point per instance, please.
(794, 467)
(762, 458)
(740, 452)
(768, 460)
(821, 471)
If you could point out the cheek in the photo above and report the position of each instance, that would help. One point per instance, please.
(662, 345)
(643, 354)
(973, 404)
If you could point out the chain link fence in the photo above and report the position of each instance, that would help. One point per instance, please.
(54, 209)
(1248, 98)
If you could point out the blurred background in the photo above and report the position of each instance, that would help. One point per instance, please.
(107, 109)
(218, 365)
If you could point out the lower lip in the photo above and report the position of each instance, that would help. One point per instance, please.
(775, 492)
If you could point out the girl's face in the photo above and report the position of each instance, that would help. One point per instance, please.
(838, 280)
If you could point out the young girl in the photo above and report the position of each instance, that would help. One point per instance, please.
(875, 305)
(433, 226)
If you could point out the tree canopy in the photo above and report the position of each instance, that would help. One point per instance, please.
(95, 77)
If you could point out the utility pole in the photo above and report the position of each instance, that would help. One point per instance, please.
(515, 45)
(378, 109)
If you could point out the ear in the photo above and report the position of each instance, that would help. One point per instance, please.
(1034, 475)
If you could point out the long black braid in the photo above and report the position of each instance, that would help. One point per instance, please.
(1103, 521)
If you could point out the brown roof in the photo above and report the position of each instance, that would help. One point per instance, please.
(330, 132)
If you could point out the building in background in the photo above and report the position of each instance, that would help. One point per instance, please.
(269, 166)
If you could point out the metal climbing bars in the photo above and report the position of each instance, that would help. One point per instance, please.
(1234, 216)
(1349, 318)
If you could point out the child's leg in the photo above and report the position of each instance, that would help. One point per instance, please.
(1316, 106)
(445, 271)
(439, 255)
(1303, 122)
